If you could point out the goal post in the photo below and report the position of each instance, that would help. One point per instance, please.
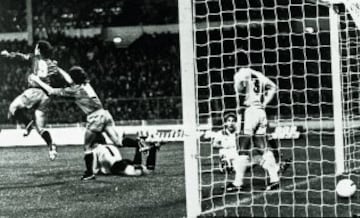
(311, 50)
(336, 90)
(189, 108)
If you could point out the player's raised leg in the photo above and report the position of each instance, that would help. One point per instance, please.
(17, 110)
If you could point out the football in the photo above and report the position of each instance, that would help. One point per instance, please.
(345, 188)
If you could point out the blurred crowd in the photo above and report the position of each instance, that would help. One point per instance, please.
(53, 16)
(138, 82)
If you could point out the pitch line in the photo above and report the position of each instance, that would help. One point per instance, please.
(272, 192)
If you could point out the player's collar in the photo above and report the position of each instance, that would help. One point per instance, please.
(227, 132)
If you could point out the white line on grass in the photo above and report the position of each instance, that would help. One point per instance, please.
(267, 193)
(262, 194)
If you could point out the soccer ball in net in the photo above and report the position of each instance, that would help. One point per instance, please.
(345, 188)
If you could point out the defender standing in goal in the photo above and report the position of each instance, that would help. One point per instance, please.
(257, 91)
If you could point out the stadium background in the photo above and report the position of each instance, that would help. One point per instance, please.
(138, 78)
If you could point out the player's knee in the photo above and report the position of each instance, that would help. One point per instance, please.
(268, 160)
(14, 106)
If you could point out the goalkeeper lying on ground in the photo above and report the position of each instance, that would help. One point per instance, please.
(108, 160)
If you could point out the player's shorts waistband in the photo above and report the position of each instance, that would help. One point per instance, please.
(256, 106)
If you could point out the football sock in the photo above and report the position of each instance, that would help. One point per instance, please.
(137, 157)
(151, 160)
(47, 138)
(89, 158)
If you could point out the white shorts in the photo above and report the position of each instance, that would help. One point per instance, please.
(228, 154)
(255, 121)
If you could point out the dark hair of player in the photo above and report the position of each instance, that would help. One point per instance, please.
(228, 115)
(78, 75)
(45, 48)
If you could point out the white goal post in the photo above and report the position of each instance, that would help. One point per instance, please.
(311, 50)
(189, 106)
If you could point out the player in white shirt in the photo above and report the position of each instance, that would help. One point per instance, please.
(225, 141)
(255, 91)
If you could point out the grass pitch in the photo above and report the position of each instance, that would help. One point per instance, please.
(33, 186)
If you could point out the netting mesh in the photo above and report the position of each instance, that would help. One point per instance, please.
(289, 42)
(350, 66)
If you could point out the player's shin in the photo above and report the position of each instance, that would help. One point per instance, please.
(269, 164)
(137, 158)
(274, 147)
(240, 165)
(47, 138)
(151, 160)
(89, 161)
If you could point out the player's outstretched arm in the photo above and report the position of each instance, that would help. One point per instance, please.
(66, 76)
(17, 55)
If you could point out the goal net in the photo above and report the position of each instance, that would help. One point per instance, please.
(311, 50)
